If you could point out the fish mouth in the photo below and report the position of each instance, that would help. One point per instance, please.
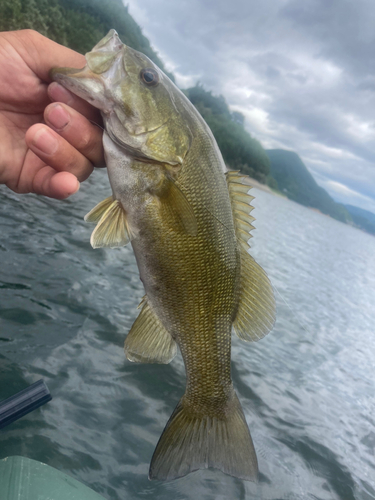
(85, 84)
(88, 82)
(56, 73)
(98, 60)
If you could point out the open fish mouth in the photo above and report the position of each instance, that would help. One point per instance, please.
(100, 82)
(90, 82)
(85, 84)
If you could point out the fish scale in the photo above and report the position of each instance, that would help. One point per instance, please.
(188, 221)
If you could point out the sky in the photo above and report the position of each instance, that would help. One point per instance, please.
(301, 71)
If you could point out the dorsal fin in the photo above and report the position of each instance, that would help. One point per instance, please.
(257, 309)
(238, 187)
(148, 341)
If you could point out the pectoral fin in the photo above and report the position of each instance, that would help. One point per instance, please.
(148, 341)
(176, 209)
(257, 310)
(97, 212)
(112, 229)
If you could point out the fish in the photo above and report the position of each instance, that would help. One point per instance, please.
(188, 220)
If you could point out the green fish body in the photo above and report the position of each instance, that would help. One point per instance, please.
(188, 221)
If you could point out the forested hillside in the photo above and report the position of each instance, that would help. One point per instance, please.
(296, 182)
(240, 150)
(78, 24)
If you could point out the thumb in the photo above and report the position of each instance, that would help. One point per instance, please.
(41, 54)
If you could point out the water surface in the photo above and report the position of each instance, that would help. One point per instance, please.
(307, 389)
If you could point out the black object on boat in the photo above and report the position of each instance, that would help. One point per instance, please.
(23, 402)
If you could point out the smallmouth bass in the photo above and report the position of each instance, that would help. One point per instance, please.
(188, 221)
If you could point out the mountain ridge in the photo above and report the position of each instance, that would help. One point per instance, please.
(364, 219)
(298, 184)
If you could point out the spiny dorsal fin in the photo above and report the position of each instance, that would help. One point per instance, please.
(148, 341)
(112, 229)
(176, 207)
(257, 310)
(238, 187)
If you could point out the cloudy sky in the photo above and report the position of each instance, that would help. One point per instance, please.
(301, 71)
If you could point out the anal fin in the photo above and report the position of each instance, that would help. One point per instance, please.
(148, 341)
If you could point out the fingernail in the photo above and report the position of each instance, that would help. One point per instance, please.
(78, 186)
(57, 116)
(58, 93)
(74, 189)
(45, 141)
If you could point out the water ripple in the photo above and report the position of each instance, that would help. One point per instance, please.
(306, 389)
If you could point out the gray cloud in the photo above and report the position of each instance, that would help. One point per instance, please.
(303, 73)
(344, 29)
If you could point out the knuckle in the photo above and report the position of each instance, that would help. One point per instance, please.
(30, 32)
(28, 35)
(89, 145)
(85, 143)
(79, 165)
(18, 188)
(72, 163)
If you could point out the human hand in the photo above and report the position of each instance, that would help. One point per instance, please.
(45, 158)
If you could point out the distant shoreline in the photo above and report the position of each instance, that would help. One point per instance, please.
(263, 187)
(258, 185)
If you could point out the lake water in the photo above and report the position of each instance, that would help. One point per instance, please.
(307, 389)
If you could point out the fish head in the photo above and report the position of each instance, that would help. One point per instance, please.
(143, 111)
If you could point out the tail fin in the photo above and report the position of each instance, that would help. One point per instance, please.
(190, 442)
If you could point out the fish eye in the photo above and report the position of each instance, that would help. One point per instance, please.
(149, 76)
